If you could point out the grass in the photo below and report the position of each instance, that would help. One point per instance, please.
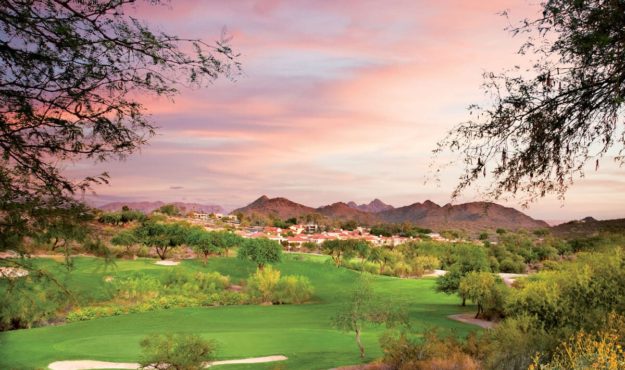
(301, 332)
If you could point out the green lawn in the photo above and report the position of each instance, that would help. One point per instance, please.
(300, 332)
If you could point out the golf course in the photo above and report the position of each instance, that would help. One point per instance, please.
(301, 332)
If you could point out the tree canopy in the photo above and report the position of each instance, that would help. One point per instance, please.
(544, 124)
(70, 75)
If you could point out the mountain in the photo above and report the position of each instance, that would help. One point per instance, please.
(374, 206)
(342, 211)
(587, 227)
(148, 207)
(277, 207)
(472, 216)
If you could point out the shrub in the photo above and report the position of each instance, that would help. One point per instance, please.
(176, 351)
(401, 269)
(422, 264)
(212, 280)
(262, 284)
(137, 288)
(293, 289)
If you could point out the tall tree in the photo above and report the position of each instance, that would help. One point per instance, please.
(545, 123)
(70, 75)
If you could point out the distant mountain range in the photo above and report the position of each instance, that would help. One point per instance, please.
(148, 207)
(472, 216)
(588, 227)
(374, 206)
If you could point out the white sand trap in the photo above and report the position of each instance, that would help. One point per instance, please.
(167, 263)
(12, 272)
(89, 365)
(436, 273)
(509, 279)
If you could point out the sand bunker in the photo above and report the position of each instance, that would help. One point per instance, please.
(88, 364)
(12, 272)
(167, 263)
(469, 318)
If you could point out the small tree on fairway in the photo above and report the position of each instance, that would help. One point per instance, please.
(162, 236)
(364, 307)
(478, 287)
(125, 238)
(339, 250)
(261, 251)
(176, 351)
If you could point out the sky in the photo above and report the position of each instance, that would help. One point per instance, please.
(338, 100)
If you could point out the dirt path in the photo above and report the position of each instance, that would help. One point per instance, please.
(469, 318)
(88, 364)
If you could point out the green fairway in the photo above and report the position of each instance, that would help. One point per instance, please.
(301, 332)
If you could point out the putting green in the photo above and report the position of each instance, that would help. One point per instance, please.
(301, 332)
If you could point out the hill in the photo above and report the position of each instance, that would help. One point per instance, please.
(374, 206)
(148, 207)
(342, 211)
(275, 207)
(470, 216)
(588, 227)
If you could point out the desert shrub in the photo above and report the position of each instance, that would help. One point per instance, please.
(406, 352)
(293, 289)
(137, 287)
(401, 269)
(372, 268)
(586, 351)
(423, 264)
(176, 351)
(263, 283)
(212, 280)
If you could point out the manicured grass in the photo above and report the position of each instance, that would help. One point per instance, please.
(301, 332)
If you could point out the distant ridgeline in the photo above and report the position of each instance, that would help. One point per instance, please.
(469, 216)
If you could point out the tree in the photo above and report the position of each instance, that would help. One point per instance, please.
(261, 251)
(161, 236)
(176, 351)
(480, 287)
(364, 307)
(126, 239)
(68, 71)
(384, 257)
(545, 123)
(169, 210)
(338, 250)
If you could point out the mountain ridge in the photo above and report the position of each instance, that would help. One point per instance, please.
(472, 215)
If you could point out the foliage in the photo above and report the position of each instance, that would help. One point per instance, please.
(162, 236)
(403, 351)
(293, 290)
(486, 290)
(339, 250)
(72, 74)
(121, 218)
(263, 284)
(545, 123)
(267, 286)
(176, 351)
(600, 350)
(364, 307)
(29, 301)
(261, 251)
(170, 210)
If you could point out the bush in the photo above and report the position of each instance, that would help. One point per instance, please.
(423, 264)
(262, 284)
(176, 351)
(401, 269)
(293, 289)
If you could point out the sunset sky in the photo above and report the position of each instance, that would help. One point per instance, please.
(339, 100)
